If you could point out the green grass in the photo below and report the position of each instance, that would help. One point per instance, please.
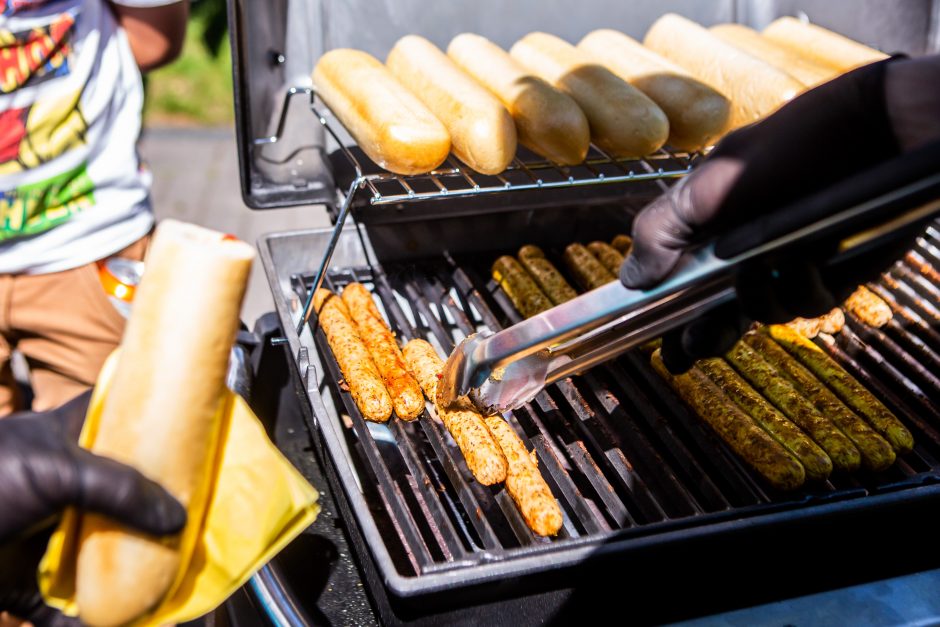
(194, 90)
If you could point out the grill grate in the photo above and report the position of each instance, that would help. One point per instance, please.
(620, 452)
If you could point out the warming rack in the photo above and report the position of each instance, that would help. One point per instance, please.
(456, 180)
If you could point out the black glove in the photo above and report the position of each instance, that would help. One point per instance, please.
(819, 139)
(43, 470)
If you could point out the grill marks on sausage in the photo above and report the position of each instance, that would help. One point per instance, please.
(380, 342)
(361, 374)
(493, 451)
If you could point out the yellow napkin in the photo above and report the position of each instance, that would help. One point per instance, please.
(259, 503)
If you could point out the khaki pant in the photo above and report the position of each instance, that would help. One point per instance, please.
(65, 326)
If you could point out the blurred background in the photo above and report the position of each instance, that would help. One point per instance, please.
(189, 144)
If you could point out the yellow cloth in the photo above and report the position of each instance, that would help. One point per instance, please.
(259, 503)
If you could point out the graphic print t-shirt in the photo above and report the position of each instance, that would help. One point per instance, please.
(71, 187)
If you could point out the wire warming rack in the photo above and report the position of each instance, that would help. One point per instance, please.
(456, 180)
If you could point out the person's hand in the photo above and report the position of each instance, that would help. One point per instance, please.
(821, 138)
(42, 471)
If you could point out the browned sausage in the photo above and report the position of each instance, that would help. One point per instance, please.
(788, 399)
(378, 338)
(521, 289)
(546, 274)
(362, 376)
(484, 456)
(817, 464)
(845, 386)
(587, 270)
(752, 444)
(609, 256)
(623, 243)
(877, 454)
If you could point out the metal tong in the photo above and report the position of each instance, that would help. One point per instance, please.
(494, 372)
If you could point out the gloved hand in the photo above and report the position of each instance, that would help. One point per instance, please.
(43, 470)
(824, 136)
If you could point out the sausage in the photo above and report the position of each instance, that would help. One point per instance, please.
(830, 323)
(877, 454)
(378, 339)
(698, 114)
(794, 406)
(525, 295)
(623, 243)
(547, 120)
(868, 307)
(751, 443)
(388, 122)
(609, 256)
(815, 462)
(481, 130)
(546, 274)
(820, 44)
(362, 376)
(754, 87)
(585, 267)
(800, 67)
(484, 457)
(624, 121)
(850, 391)
(524, 482)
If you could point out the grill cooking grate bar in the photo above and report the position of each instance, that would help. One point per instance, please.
(619, 451)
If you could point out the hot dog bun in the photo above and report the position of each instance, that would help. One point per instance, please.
(623, 120)
(755, 88)
(698, 114)
(162, 414)
(482, 131)
(797, 65)
(548, 122)
(388, 122)
(821, 44)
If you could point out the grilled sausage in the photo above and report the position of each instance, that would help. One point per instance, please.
(852, 393)
(877, 454)
(482, 132)
(524, 293)
(549, 122)
(868, 307)
(752, 444)
(546, 274)
(524, 482)
(585, 267)
(788, 400)
(484, 457)
(362, 377)
(390, 124)
(378, 338)
(816, 463)
(830, 323)
(609, 256)
(623, 243)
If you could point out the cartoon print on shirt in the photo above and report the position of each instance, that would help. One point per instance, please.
(32, 57)
(35, 135)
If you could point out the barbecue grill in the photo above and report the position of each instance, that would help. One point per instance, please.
(652, 500)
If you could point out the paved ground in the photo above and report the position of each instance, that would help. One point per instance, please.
(196, 179)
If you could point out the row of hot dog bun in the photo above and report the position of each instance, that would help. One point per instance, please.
(787, 409)
(685, 85)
